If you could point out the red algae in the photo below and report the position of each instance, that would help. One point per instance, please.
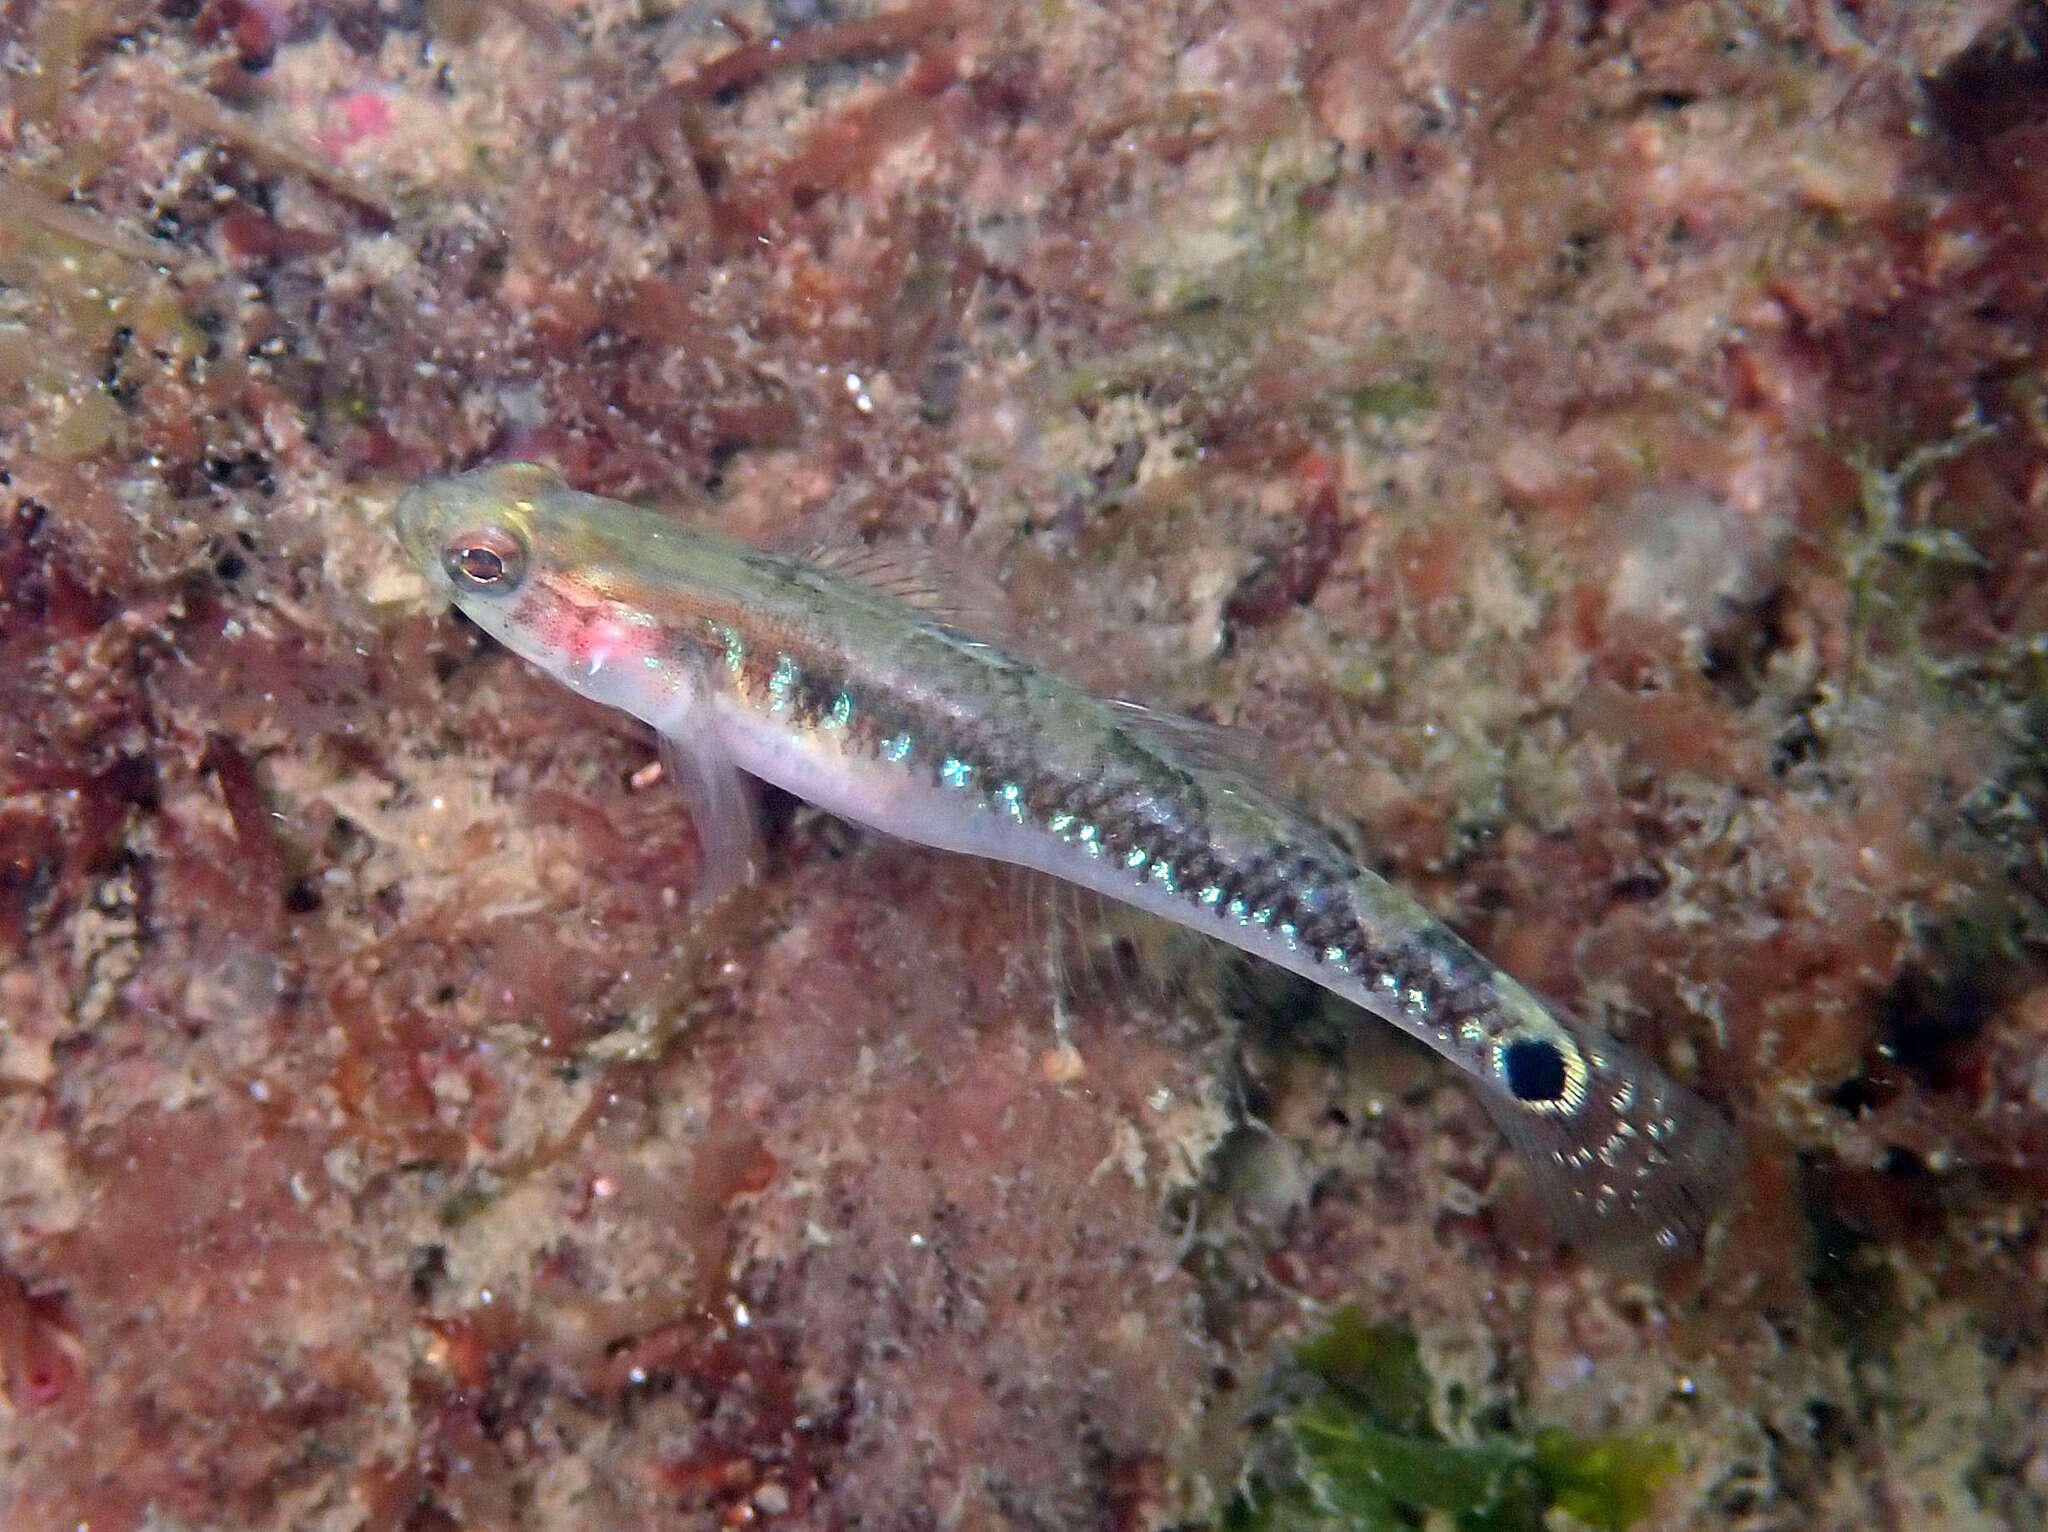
(1600, 449)
(755, 58)
(1292, 577)
(37, 1368)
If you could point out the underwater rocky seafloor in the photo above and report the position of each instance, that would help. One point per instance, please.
(1603, 448)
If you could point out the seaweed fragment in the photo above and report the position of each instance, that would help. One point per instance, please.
(1357, 1449)
(21, 201)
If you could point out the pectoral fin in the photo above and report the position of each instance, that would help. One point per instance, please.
(720, 798)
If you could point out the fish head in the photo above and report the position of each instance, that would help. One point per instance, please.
(520, 554)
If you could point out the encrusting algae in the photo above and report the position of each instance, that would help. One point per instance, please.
(1602, 444)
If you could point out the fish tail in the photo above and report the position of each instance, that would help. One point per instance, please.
(1638, 1161)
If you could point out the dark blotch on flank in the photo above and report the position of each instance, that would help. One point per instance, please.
(1261, 882)
(815, 697)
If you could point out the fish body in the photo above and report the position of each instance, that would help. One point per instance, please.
(755, 663)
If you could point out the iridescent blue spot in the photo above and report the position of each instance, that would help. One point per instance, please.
(1162, 874)
(1263, 916)
(1289, 935)
(1334, 956)
(728, 639)
(840, 714)
(1238, 909)
(1210, 894)
(1088, 839)
(1059, 824)
(896, 748)
(1135, 857)
(1011, 797)
(955, 772)
(782, 683)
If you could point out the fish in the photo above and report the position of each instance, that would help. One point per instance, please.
(825, 679)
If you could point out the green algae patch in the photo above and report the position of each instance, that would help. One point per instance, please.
(1357, 1451)
(1376, 1368)
(1393, 400)
(1610, 1482)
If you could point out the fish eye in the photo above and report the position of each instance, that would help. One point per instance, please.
(485, 559)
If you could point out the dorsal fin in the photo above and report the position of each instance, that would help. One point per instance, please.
(933, 584)
(1246, 760)
(905, 577)
(1212, 746)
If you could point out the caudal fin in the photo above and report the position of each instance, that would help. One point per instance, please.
(1641, 1162)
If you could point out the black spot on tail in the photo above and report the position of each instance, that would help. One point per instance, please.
(1535, 1070)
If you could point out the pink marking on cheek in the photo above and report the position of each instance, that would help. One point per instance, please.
(604, 642)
